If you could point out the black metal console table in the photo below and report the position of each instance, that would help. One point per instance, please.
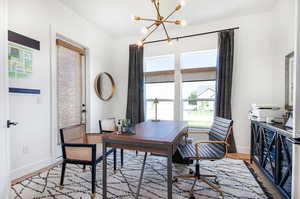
(271, 150)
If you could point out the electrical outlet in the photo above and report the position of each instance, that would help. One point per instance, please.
(25, 150)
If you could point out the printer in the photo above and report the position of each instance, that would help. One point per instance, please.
(266, 113)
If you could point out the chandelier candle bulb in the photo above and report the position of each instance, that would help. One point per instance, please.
(182, 3)
(140, 43)
(136, 18)
(178, 6)
(132, 17)
(183, 23)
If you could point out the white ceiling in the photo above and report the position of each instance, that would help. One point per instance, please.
(113, 16)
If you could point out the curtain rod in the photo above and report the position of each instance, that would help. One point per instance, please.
(193, 35)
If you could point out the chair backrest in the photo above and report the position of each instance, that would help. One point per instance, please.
(73, 134)
(107, 125)
(220, 129)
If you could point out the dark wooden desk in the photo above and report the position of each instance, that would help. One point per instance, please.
(156, 137)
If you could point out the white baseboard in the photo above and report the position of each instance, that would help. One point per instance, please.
(243, 149)
(29, 168)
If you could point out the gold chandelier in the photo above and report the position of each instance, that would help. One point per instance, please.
(160, 20)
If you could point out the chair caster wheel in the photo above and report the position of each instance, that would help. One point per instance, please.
(61, 187)
(93, 195)
(191, 171)
(175, 180)
(192, 197)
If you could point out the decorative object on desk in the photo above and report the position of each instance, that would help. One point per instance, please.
(159, 20)
(105, 86)
(119, 126)
(127, 126)
(19, 62)
(155, 102)
(289, 81)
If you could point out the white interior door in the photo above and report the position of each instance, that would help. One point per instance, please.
(4, 137)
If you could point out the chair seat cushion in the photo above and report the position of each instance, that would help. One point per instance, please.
(206, 151)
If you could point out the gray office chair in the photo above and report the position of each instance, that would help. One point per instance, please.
(214, 149)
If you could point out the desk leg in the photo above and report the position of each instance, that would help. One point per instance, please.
(141, 177)
(169, 166)
(104, 171)
(122, 157)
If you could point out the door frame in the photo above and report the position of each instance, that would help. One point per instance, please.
(54, 34)
(296, 111)
(4, 115)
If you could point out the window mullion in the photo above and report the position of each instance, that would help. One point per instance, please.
(177, 81)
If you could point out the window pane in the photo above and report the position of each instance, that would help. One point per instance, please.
(199, 59)
(200, 115)
(165, 110)
(161, 63)
(160, 91)
(198, 103)
(164, 92)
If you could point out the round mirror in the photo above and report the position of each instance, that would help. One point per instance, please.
(105, 86)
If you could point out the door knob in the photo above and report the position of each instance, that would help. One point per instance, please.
(10, 123)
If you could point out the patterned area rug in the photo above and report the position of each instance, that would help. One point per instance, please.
(234, 178)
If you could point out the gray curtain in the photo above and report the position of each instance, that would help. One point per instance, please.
(135, 96)
(224, 79)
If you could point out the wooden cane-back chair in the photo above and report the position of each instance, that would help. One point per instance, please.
(81, 148)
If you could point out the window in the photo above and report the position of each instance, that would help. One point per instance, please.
(159, 83)
(198, 71)
(189, 97)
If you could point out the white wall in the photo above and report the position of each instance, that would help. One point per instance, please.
(33, 19)
(260, 46)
